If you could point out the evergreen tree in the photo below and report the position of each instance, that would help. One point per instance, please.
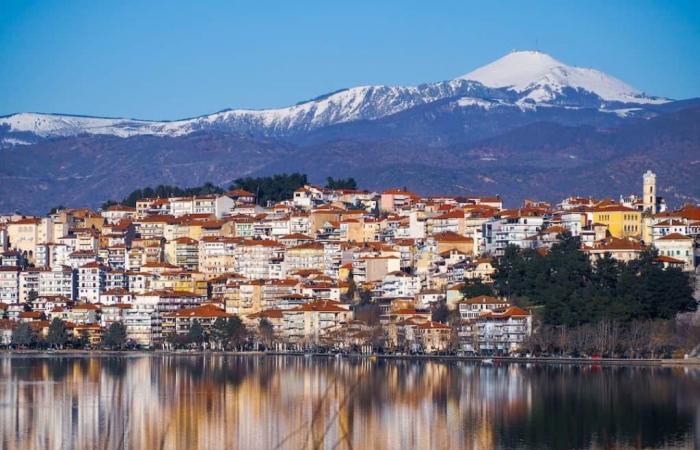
(23, 336)
(84, 339)
(573, 291)
(115, 336)
(266, 330)
(272, 189)
(341, 183)
(195, 335)
(475, 287)
(440, 312)
(235, 331)
(56, 336)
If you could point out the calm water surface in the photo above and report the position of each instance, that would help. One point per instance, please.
(256, 402)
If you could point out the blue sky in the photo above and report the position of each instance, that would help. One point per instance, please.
(171, 59)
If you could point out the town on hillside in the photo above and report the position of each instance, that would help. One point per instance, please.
(337, 269)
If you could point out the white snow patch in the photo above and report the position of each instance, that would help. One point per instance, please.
(13, 141)
(471, 101)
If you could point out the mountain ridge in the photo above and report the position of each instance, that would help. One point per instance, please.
(520, 79)
(452, 137)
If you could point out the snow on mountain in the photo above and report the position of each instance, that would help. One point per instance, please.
(359, 103)
(523, 79)
(542, 77)
(46, 125)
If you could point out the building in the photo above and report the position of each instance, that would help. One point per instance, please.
(308, 323)
(180, 321)
(472, 308)
(499, 332)
(678, 246)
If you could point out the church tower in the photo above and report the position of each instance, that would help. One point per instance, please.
(649, 192)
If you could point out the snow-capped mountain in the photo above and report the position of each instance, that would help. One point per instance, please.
(519, 80)
(541, 78)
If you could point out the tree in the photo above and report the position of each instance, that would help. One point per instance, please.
(266, 330)
(235, 331)
(474, 287)
(195, 335)
(273, 188)
(56, 336)
(341, 183)
(84, 338)
(107, 204)
(164, 191)
(56, 209)
(115, 336)
(219, 332)
(23, 336)
(572, 291)
(440, 312)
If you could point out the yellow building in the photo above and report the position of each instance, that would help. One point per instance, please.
(182, 281)
(620, 220)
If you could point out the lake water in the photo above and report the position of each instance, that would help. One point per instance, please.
(146, 401)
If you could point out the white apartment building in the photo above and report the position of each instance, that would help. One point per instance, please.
(259, 259)
(399, 284)
(91, 282)
(511, 230)
(9, 284)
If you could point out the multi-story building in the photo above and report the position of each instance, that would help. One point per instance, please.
(9, 284)
(259, 259)
(308, 323)
(91, 282)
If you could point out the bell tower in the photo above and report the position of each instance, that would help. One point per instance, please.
(649, 192)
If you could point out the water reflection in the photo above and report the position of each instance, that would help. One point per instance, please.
(188, 402)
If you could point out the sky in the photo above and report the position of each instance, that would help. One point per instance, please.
(176, 59)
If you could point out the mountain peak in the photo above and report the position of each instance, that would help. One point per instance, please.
(542, 77)
(517, 70)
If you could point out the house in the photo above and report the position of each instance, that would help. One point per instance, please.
(180, 321)
(502, 331)
(677, 246)
(450, 240)
(625, 250)
(393, 200)
(433, 336)
(309, 322)
(472, 308)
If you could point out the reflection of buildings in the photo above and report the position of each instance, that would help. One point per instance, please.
(173, 402)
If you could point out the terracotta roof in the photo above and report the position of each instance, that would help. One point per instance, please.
(613, 244)
(450, 236)
(207, 311)
(512, 311)
(669, 260)
(319, 306)
(675, 237)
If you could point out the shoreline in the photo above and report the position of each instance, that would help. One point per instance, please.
(490, 360)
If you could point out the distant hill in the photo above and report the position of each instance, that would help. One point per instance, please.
(526, 125)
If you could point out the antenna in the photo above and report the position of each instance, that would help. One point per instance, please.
(537, 44)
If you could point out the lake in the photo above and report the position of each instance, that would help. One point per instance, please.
(154, 401)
